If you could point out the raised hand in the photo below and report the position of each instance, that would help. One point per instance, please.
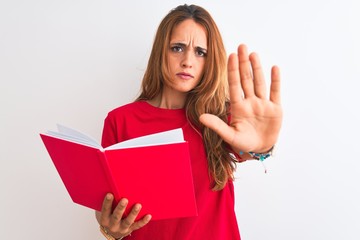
(255, 119)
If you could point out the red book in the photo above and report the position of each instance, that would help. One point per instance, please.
(153, 170)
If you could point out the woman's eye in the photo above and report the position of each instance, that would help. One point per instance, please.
(176, 49)
(201, 53)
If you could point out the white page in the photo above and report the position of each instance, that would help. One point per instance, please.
(72, 139)
(167, 137)
(77, 135)
(72, 135)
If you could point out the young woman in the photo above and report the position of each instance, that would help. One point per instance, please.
(224, 113)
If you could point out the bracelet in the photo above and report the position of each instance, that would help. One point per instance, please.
(262, 156)
(107, 235)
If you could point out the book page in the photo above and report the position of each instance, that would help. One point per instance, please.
(167, 137)
(72, 135)
(78, 135)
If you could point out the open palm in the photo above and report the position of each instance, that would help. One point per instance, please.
(255, 120)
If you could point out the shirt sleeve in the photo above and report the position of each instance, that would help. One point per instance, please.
(109, 132)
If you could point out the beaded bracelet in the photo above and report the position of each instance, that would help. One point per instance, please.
(261, 156)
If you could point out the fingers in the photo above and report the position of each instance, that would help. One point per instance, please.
(259, 80)
(246, 76)
(130, 219)
(251, 73)
(115, 223)
(129, 222)
(275, 85)
(106, 207)
(236, 94)
(118, 212)
(142, 222)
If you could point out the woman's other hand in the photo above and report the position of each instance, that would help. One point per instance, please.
(114, 223)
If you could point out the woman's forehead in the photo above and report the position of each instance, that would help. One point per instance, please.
(189, 33)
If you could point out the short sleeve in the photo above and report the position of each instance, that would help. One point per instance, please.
(109, 132)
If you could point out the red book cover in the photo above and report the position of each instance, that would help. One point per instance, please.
(153, 170)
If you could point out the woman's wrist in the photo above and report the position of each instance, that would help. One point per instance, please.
(262, 155)
(107, 235)
(242, 156)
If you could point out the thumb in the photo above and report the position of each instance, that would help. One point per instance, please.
(219, 126)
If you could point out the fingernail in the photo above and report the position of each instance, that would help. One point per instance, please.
(108, 196)
(137, 207)
(124, 202)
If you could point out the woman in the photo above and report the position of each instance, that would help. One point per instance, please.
(187, 84)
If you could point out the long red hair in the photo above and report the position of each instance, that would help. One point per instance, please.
(211, 94)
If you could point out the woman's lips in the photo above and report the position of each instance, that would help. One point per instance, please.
(184, 75)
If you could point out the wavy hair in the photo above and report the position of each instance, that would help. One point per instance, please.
(209, 96)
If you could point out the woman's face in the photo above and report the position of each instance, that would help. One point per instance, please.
(186, 56)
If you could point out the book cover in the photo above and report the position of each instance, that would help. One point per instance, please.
(152, 170)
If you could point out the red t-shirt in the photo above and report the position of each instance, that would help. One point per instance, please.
(216, 219)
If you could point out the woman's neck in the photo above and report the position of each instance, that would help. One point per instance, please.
(169, 99)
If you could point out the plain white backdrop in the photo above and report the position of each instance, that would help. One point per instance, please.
(71, 62)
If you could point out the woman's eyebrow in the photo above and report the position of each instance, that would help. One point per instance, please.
(201, 49)
(180, 44)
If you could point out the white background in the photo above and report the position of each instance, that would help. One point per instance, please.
(71, 62)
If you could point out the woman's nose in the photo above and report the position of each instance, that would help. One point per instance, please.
(187, 60)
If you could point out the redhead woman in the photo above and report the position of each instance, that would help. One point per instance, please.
(222, 106)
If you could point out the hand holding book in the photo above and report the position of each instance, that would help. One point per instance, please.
(112, 222)
(153, 170)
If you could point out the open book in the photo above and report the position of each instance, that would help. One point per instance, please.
(152, 170)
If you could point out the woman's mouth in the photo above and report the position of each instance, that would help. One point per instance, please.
(184, 75)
